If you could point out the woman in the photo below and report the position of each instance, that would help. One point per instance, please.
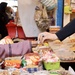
(66, 31)
(9, 12)
(3, 19)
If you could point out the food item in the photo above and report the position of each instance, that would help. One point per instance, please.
(43, 50)
(51, 61)
(5, 72)
(6, 40)
(32, 58)
(54, 29)
(71, 40)
(72, 47)
(57, 42)
(16, 72)
(65, 55)
(12, 62)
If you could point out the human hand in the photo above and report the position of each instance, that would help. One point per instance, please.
(46, 36)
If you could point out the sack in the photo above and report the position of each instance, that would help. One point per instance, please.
(41, 17)
(15, 49)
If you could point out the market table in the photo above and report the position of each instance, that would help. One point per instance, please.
(60, 49)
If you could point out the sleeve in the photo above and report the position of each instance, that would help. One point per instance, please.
(66, 31)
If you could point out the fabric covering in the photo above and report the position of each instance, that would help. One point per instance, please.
(15, 49)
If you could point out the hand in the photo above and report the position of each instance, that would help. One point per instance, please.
(46, 36)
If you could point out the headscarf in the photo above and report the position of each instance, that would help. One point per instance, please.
(3, 6)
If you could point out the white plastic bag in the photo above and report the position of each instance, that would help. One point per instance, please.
(71, 71)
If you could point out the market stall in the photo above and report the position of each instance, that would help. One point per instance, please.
(26, 57)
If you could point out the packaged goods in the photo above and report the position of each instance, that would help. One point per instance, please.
(12, 62)
(32, 58)
(51, 61)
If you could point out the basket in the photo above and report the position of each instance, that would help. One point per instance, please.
(51, 65)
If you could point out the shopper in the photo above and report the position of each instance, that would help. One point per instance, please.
(3, 19)
(9, 12)
(63, 33)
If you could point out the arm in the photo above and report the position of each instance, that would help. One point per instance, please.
(66, 31)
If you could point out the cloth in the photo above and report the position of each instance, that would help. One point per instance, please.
(16, 49)
(66, 31)
(3, 19)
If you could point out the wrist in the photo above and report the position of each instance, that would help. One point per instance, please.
(54, 37)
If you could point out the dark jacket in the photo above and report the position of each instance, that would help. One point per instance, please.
(3, 19)
(66, 31)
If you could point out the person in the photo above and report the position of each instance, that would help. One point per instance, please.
(63, 33)
(9, 12)
(3, 19)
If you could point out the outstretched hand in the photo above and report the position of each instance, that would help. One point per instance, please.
(46, 36)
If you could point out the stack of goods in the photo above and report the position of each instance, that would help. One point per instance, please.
(32, 58)
(40, 46)
(65, 55)
(29, 65)
(64, 49)
(72, 47)
(55, 45)
(51, 61)
(14, 71)
(71, 44)
(14, 62)
(29, 62)
(41, 17)
(32, 62)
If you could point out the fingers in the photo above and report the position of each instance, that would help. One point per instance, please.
(41, 37)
